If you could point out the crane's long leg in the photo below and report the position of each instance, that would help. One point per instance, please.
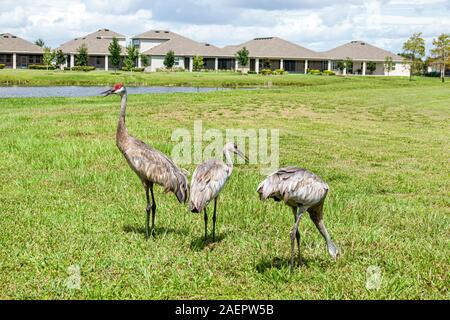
(206, 223)
(316, 215)
(293, 233)
(297, 235)
(153, 209)
(214, 220)
(147, 219)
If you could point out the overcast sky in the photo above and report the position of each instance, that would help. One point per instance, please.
(318, 25)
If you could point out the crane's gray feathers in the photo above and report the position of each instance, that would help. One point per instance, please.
(207, 181)
(295, 186)
(154, 166)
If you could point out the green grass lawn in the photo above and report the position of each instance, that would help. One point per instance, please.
(67, 196)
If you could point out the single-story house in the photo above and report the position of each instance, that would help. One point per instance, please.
(276, 53)
(156, 43)
(16, 52)
(97, 44)
(361, 53)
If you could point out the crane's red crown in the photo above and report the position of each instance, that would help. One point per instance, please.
(118, 86)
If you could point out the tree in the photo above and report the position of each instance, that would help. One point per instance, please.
(114, 51)
(132, 55)
(48, 56)
(340, 65)
(197, 64)
(60, 58)
(82, 56)
(414, 49)
(388, 64)
(39, 42)
(242, 56)
(169, 59)
(144, 60)
(371, 66)
(441, 52)
(348, 65)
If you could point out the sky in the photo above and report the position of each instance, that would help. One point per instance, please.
(318, 25)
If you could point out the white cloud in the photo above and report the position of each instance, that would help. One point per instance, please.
(319, 25)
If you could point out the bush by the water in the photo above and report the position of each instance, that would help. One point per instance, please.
(2, 66)
(40, 67)
(82, 68)
(314, 71)
(266, 72)
(328, 73)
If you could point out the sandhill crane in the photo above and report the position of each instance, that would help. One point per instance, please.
(208, 180)
(151, 165)
(303, 191)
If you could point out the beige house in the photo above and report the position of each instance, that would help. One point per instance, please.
(16, 52)
(97, 44)
(276, 53)
(361, 53)
(156, 43)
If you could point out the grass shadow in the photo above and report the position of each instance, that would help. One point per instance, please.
(279, 263)
(199, 243)
(159, 231)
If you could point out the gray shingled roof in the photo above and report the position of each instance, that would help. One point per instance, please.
(273, 47)
(360, 50)
(182, 46)
(12, 44)
(97, 43)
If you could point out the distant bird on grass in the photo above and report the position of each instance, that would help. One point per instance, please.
(208, 180)
(151, 165)
(303, 191)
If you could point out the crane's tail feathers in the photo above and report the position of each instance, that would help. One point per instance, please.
(182, 191)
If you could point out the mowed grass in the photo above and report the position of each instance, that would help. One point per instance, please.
(68, 198)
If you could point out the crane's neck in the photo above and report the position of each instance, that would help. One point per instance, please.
(228, 160)
(122, 131)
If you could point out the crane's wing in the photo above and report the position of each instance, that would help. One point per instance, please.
(207, 181)
(152, 165)
(294, 186)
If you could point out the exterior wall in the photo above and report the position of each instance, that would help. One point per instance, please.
(146, 44)
(6, 59)
(401, 69)
(157, 62)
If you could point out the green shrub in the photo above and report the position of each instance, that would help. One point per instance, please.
(266, 72)
(40, 67)
(251, 72)
(433, 74)
(328, 73)
(279, 71)
(2, 66)
(83, 68)
(314, 71)
(138, 69)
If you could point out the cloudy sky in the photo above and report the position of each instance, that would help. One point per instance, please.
(319, 25)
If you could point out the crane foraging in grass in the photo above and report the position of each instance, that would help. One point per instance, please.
(303, 191)
(151, 165)
(208, 180)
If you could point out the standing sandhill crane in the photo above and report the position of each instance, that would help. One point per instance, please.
(151, 165)
(208, 180)
(303, 191)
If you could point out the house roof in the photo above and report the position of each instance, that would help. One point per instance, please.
(273, 47)
(182, 46)
(13, 44)
(97, 43)
(360, 50)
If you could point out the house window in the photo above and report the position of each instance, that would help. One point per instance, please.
(8, 58)
(177, 61)
(137, 43)
(393, 66)
(97, 61)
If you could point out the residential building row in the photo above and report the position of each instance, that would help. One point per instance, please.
(266, 52)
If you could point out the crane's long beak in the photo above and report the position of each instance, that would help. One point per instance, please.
(242, 155)
(108, 92)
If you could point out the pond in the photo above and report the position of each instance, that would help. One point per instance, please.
(78, 91)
